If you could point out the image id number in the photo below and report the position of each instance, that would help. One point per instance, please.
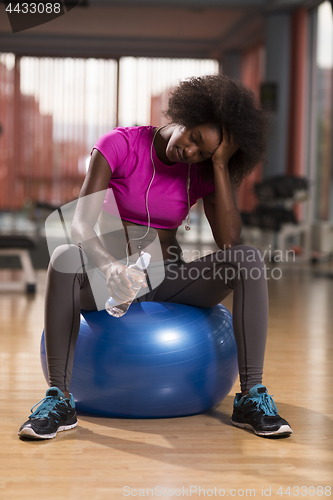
(34, 8)
(303, 491)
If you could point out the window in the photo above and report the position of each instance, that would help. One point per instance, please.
(324, 65)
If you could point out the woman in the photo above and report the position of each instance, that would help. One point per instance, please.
(216, 136)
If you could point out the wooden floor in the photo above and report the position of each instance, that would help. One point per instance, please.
(101, 457)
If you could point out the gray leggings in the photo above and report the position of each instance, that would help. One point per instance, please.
(203, 283)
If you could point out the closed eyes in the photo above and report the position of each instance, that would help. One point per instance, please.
(195, 142)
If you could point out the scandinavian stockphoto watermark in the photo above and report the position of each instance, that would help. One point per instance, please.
(77, 244)
(24, 15)
(269, 254)
(229, 264)
(187, 491)
(214, 491)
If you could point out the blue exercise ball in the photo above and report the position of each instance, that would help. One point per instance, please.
(160, 359)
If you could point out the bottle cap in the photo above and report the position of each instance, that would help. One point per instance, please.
(144, 260)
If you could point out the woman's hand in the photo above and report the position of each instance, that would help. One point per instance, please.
(118, 283)
(226, 149)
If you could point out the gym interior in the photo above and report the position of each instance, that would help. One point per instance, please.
(101, 64)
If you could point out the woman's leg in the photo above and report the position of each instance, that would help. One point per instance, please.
(207, 281)
(67, 291)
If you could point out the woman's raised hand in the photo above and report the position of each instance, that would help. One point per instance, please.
(226, 149)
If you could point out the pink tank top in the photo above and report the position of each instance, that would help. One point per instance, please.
(127, 151)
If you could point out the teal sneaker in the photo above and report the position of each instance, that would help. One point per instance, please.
(257, 412)
(55, 413)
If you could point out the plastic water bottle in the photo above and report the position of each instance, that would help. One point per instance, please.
(115, 306)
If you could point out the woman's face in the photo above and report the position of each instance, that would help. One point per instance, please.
(192, 145)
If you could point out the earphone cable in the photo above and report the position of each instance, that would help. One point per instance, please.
(148, 214)
(188, 225)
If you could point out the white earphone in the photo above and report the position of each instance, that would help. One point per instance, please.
(188, 224)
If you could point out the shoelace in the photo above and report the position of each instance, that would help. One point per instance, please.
(47, 404)
(265, 403)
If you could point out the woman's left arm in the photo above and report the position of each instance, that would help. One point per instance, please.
(220, 206)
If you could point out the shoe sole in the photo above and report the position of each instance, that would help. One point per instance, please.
(284, 430)
(29, 433)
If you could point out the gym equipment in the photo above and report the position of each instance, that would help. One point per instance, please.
(160, 359)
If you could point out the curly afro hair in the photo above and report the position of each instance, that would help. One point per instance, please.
(219, 100)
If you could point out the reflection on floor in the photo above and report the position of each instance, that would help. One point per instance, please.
(111, 458)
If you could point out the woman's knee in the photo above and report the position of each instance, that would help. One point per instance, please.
(251, 263)
(242, 254)
(249, 253)
(68, 259)
(245, 262)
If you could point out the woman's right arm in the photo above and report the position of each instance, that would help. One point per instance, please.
(88, 208)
